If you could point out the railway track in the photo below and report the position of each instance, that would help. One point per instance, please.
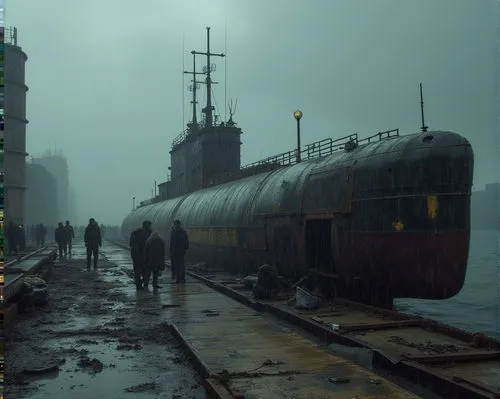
(16, 269)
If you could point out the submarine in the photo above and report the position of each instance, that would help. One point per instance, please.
(375, 218)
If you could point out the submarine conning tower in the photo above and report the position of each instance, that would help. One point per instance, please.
(206, 149)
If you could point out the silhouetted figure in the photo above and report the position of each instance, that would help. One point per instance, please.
(21, 237)
(61, 238)
(70, 232)
(33, 230)
(267, 286)
(179, 244)
(93, 241)
(10, 235)
(137, 244)
(154, 259)
(41, 234)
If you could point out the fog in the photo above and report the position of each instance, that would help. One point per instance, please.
(106, 82)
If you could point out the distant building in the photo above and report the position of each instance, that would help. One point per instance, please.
(41, 196)
(485, 208)
(15, 123)
(57, 165)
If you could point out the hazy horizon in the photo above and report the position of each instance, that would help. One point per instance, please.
(107, 89)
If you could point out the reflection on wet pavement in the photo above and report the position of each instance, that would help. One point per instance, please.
(98, 337)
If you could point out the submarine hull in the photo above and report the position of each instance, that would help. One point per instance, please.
(386, 219)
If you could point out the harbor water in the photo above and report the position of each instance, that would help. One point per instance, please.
(477, 307)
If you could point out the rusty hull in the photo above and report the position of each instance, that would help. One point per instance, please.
(397, 216)
(451, 362)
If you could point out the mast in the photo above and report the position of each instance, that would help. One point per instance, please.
(193, 88)
(423, 128)
(208, 81)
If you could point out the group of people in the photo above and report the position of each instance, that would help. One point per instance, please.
(63, 236)
(147, 250)
(16, 238)
(38, 234)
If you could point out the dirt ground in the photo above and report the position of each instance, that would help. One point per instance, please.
(97, 337)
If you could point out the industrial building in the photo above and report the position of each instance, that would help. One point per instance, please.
(41, 197)
(15, 120)
(56, 165)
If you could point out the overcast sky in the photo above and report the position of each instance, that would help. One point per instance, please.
(106, 83)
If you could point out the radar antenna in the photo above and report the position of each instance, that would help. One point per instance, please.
(208, 110)
(232, 111)
(423, 128)
(193, 88)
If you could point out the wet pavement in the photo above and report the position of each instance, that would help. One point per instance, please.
(98, 337)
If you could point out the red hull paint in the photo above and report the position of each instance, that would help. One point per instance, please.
(416, 264)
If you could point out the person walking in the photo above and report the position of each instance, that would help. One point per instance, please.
(70, 235)
(43, 234)
(137, 244)
(154, 259)
(179, 244)
(93, 242)
(60, 238)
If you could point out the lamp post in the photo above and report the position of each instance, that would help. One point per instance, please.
(133, 203)
(298, 116)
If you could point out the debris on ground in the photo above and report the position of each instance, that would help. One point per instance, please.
(94, 365)
(146, 387)
(97, 321)
(339, 380)
(129, 347)
(427, 347)
(304, 299)
(42, 370)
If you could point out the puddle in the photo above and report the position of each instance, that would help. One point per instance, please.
(98, 315)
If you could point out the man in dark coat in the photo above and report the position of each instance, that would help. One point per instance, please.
(21, 234)
(92, 238)
(33, 230)
(137, 244)
(179, 244)
(43, 233)
(60, 237)
(10, 235)
(70, 232)
(154, 259)
(267, 286)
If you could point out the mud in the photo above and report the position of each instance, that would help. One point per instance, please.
(97, 337)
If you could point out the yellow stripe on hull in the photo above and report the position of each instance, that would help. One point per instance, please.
(226, 237)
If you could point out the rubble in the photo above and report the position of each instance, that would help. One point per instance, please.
(100, 327)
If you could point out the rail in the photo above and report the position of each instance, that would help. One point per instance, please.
(150, 201)
(318, 149)
(192, 130)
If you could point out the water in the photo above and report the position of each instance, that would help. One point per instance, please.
(477, 307)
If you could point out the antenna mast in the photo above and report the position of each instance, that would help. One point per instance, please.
(193, 88)
(208, 81)
(423, 128)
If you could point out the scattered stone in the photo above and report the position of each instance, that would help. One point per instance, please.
(147, 387)
(42, 370)
(87, 342)
(129, 347)
(339, 380)
(94, 365)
